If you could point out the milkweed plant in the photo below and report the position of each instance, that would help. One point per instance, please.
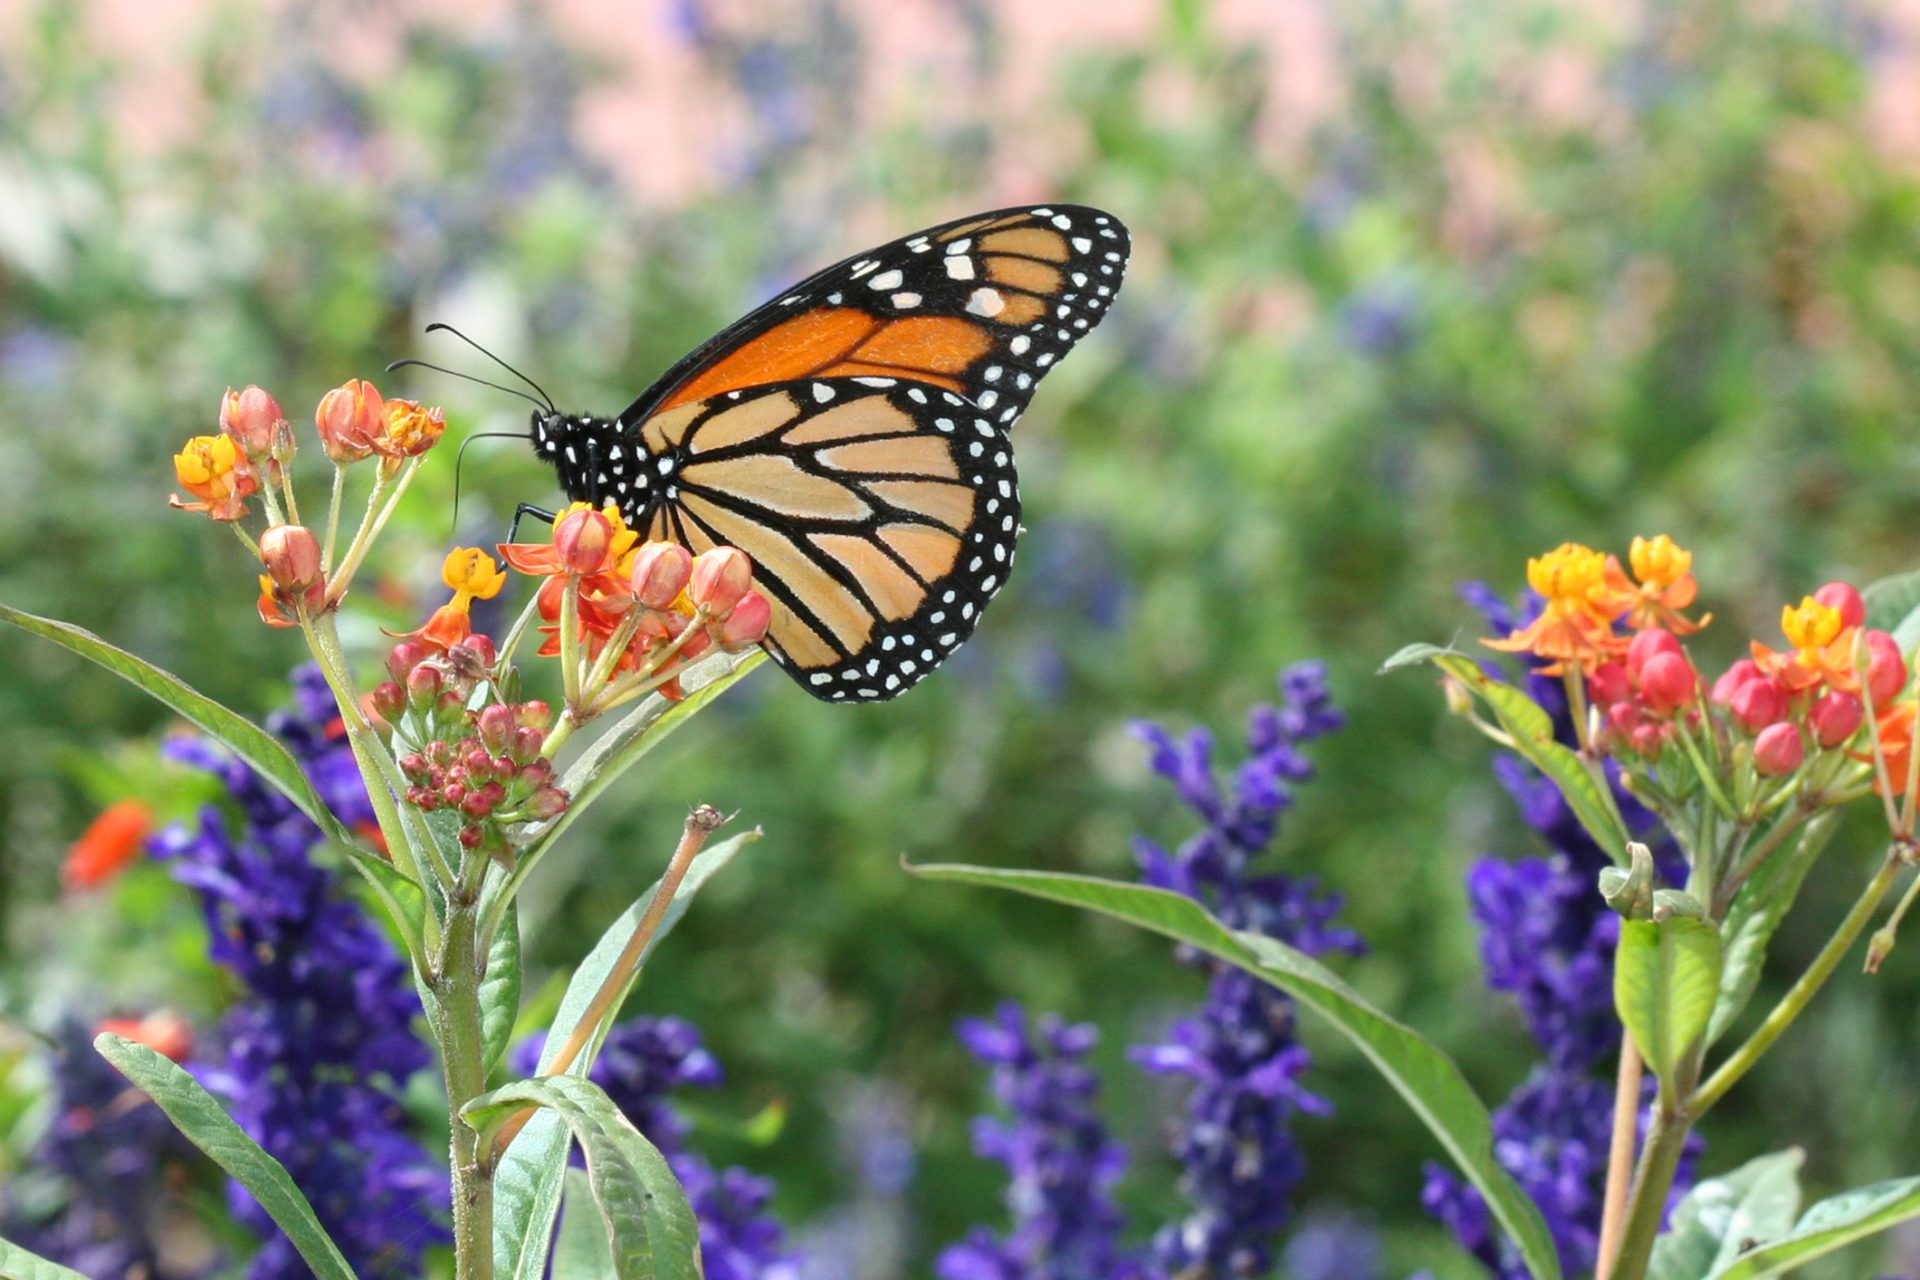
(1684, 810)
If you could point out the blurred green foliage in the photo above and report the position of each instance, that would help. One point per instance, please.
(1538, 272)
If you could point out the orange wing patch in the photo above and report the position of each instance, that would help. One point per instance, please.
(909, 455)
(1028, 242)
(776, 482)
(928, 551)
(867, 416)
(892, 589)
(840, 342)
(745, 422)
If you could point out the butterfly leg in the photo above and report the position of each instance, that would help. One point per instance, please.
(527, 509)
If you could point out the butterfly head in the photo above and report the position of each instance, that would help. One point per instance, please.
(592, 456)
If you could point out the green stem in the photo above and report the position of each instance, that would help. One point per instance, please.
(462, 1059)
(1755, 859)
(1666, 1140)
(1801, 993)
(333, 518)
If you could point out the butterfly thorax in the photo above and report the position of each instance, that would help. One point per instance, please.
(600, 461)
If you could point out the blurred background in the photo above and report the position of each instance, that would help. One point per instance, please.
(1419, 288)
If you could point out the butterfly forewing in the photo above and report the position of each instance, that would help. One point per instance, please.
(880, 516)
(982, 306)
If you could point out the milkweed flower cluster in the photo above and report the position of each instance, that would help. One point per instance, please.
(1239, 1161)
(625, 617)
(318, 1052)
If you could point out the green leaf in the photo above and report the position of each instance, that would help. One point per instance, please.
(650, 1226)
(17, 1264)
(259, 749)
(1829, 1225)
(245, 739)
(1756, 1202)
(1423, 1075)
(580, 1247)
(1413, 655)
(1531, 729)
(195, 1113)
(500, 990)
(1763, 901)
(1892, 600)
(529, 1179)
(1666, 977)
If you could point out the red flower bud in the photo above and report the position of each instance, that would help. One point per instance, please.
(1835, 718)
(292, 556)
(471, 836)
(389, 700)
(405, 657)
(526, 745)
(1838, 595)
(253, 419)
(163, 1031)
(534, 714)
(720, 577)
(1667, 681)
(1609, 684)
(423, 684)
(481, 647)
(1778, 750)
(1757, 704)
(582, 538)
(747, 624)
(547, 802)
(496, 727)
(661, 571)
(1736, 675)
(1645, 644)
(1623, 718)
(1886, 668)
(350, 418)
(1649, 740)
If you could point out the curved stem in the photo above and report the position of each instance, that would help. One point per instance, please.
(1795, 1001)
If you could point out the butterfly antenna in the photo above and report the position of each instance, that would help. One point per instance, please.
(437, 326)
(461, 456)
(455, 373)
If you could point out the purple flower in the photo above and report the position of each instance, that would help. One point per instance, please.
(98, 1171)
(322, 1044)
(1060, 1161)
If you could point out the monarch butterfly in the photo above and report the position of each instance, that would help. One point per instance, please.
(850, 436)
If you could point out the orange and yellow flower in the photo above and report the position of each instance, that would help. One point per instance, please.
(1664, 571)
(1822, 650)
(110, 843)
(470, 574)
(215, 471)
(410, 430)
(1585, 592)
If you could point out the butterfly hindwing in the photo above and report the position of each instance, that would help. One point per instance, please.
(983, 306)
(880, 515)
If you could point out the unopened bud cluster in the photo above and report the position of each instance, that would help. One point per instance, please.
(486, 764)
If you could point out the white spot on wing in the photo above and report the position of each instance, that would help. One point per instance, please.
(887, 280)
(822, 392)
(986, 302)
(960, 268)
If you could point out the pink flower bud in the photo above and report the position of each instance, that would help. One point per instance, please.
(582, 538)
(747, 624)
(1623, 718)
(481, 647)
(547, 802)
(1645, 644)
(1667, 681)
(1778, 750)
(1835, 718)
(1736, 675)
(1886, 669)
(720, 577)
(1648, 740)
(252, 418)
(471, 836)
(534, 714)
(661, 571)
(423, 684)
(1757, 704)
(350, 418)
(526, 745)
(1609, 684)
(1838, 595)
(292, 556)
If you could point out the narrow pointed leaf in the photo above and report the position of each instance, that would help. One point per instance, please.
(530, 1177)
(261, 751)
(500, 990)
(245, 739)
(651, 1230)
(1424, 1076)
(1831, 1224)
(18, 1264)
(1757, 1201)
(198, 1116)
(580, 1249)
(1666, 978)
